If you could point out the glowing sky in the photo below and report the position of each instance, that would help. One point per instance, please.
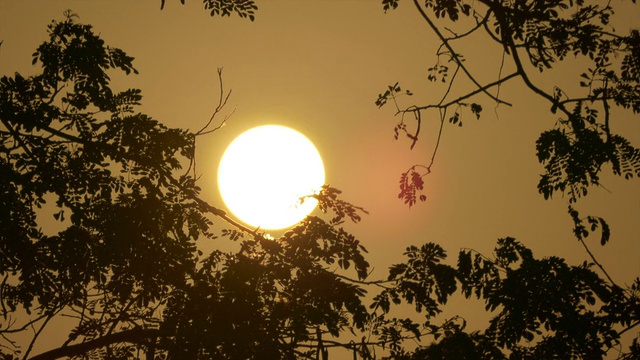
(317, 66)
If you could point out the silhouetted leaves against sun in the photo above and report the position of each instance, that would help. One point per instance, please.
(328, 200)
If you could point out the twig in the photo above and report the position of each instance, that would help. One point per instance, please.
(361, 282)
(443, 114)
(39, 331)
(222, 101)
(454, 55)
(606, 111)
(509, 44)
(468, 95)
(495, 109)
(23, 327)
(18, 138)
(134, 336)
(453, 78)
(595, 261)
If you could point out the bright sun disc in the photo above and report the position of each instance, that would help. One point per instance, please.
(264, 172)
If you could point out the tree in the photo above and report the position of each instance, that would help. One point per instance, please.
(535, 36)
(125, 268)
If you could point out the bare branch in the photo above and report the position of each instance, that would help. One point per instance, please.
(454, 55)
(466, 96)
(222, 101)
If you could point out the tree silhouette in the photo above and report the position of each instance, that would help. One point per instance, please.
(574, 319)
(124, 269)
(536, 35)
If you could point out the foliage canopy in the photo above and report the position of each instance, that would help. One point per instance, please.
(126, 271)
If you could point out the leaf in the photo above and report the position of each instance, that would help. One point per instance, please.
(476, 109)
(528, 335)
(606, 232)
(455, 119)
(59, 215)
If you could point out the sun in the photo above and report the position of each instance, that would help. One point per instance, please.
(264, 172)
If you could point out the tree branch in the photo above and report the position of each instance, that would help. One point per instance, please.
(443, 114)
(16, 135)
(468, 95)
(595, 261)
(454, 55)
(134, 336)
(508, 43)
(48, 318)
(222, 102)
(206, 206)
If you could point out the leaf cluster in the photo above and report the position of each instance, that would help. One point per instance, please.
(242, 8)
(541, 308)
(412, 182)
(575, 152)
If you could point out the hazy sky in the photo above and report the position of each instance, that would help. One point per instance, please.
(317, 66)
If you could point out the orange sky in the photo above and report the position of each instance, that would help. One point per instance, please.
(317, 66)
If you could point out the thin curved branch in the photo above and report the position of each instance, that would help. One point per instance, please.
(48, 318)
(417, 109)
(17, 136)
(11, 343)
(122, 314)
(8, 330)
(479, 24)
(523, 74)
(361, 282)
(55, 93)
(222, 102)
(509, 45)
(607, 115)
(454, 55)
(453, 78)
(598, 264)
(414, 137)
(443, 114)
(630, 327)
(583, 99)
(134, 336)
(468, 95)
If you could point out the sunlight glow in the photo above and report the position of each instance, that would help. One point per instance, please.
(265, 171)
